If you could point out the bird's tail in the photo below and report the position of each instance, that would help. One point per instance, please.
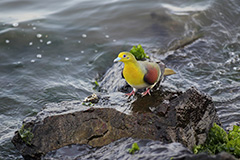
(168, 72)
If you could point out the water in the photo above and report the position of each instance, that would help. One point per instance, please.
(54, 52)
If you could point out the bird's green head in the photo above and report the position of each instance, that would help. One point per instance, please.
(125, 57)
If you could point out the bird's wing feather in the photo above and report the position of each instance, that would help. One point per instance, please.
(152, 73)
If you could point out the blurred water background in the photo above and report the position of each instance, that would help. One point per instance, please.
(51, 51)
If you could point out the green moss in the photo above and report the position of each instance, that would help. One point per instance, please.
(133, 149)
(96, 85)
(26, 135)
(138, 52)
(218, 140)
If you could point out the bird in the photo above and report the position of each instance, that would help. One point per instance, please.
(141, 74)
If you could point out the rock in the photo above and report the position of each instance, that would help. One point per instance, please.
(113, 80)
(185, 118)
(204, 156)
(148, 149)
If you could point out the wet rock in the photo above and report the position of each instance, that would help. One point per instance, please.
(148, 149)
(186, 118)
(204, 156)
(113, 80)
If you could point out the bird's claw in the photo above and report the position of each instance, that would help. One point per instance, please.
(131, 93)
(146, 92)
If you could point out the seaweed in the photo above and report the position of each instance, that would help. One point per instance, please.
(26, 135)
(134, 148)
(138, 52)
(218, 140)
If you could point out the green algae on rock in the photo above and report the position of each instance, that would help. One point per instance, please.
(218, 141)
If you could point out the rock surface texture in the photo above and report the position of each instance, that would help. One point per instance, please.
(149, 150)
(178, 117)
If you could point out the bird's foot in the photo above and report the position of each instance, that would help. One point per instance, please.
(146, 92)
(131, 93)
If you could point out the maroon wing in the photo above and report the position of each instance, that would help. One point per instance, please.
(152, 74)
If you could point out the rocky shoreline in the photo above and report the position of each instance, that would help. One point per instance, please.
(109, 118)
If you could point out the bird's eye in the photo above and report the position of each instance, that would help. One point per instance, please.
(124, 55)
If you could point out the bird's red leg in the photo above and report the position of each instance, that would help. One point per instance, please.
(131, 93)
(146, 92)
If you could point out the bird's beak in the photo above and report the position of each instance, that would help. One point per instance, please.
(117, 59)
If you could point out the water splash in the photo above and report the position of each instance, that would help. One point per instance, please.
(84, 35)
(15, 24)
(39, 56)
(39, 35)
(49, 42)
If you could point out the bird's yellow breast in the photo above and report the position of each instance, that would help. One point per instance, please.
(134, 74)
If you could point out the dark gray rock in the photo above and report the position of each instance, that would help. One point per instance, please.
(184, 118)
(205, 156)
(148, 150)
(113, 80)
